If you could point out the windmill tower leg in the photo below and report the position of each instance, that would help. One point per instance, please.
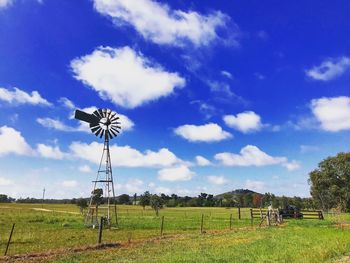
(110, 185)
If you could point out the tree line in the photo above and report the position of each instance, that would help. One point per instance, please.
(329, 188)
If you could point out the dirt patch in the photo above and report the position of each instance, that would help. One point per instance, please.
(56, 211)
(42, 256)
(52, 253)
(343, 225)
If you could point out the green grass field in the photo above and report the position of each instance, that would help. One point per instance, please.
(61, 227)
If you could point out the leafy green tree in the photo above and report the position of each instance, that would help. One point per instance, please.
(97, 198)
(82, 203)
(135, 199)
(4, 198)
(145, 199)
(156, 203)
(248, 200)
(257, 200)
(284, 201)
(124, 199)
(330, 182)
(210, 200)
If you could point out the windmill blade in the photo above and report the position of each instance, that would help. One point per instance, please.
(113, 113)
(103, 131)
(110, 134)
(104, 113)
(113, 132)
(95, 129)
(115, 126)
(114, 129)
(94, 124)
(114, 118)
(115, 122)
(83, 116)
(98, 131)
(97, 114)
(109, 113)
(100, 112)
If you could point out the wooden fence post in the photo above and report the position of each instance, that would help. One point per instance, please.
(161, 226)
(202, 223)
(9, 241)
(239, 213)
(230, 221)
(320, 215)
(268, 214)
(100, 228)
(251, 217)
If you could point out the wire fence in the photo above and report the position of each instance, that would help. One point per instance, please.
(39, 231)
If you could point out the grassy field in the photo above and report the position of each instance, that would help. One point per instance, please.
(60, 227)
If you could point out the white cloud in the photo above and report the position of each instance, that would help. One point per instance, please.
(249, 155)
(124, 156)
(131, 187)
(218, 180)
(54, 124)
(158, 23)
(85, 169)
(179, 173)
(163, 190)
(226, 74)
(245, 122)
(329, 69)
(5, 3)
(292, 166)
(67, 103)
(254, 185)
(51, 152)
(5, 182)
(11, 141)
(125, 77)
(18, 96)
(201, 161)
(332, 113)
(126, 124)
(70, 183)
(220, 87)
(206, 109)
(210, 132)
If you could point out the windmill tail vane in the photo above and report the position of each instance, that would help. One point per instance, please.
(103, 123)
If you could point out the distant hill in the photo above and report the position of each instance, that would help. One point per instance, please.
(236, 192)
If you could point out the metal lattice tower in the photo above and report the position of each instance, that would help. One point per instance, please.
(103, 123)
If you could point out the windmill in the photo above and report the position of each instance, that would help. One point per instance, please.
(103, 123)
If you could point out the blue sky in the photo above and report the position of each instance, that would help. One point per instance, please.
(213, 95)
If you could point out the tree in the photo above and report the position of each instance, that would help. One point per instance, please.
(145, 199)
(228, 200)
(135, 198)
(124, 199)
(330, 182)
(4, 198)
(156, 203)
(257, 199)
(248, 200)
(97, 198)
(82, 203)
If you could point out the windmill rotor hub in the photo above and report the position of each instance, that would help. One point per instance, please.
(103, 122)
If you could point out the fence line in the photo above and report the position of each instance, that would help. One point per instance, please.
(27, 237)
